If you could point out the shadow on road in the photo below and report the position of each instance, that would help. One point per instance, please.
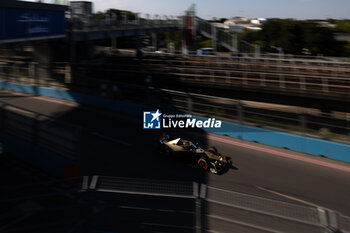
(110, 144)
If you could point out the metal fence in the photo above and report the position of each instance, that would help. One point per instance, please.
(284, 75)
(144, 186)
(220, 210)
(262, 213)
(310, 122)
(344, 223)
(216, 34)
(307, 122)
(56, 75)
(52, 134)
(130, 81)
(125, 23)
(304, 77)
(58, 203)
(272, 58)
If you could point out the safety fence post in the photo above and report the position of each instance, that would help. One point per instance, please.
(257, 50)
(214, 37)
(322, 214)
(199, 192)
(240, 112)
(240, 116)
(67, 74)
(31, 71)
(332, 221)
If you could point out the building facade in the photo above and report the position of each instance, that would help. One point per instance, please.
(81, 10)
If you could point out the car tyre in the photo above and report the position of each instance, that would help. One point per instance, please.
(203, 164)
(213, 150)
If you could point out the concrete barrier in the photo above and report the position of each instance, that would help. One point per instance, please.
(293, 142)
(298, 143)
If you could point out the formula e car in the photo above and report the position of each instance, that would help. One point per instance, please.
(207, 159)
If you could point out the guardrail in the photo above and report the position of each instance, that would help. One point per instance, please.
(234, 208)
(265, 59)
(54, 75)
(113, 24)
(281, 75)
(305, 77)
(144, 186)
(220, 210)
(214, 209)
(180, 190)
(344, 223)
(320, 77)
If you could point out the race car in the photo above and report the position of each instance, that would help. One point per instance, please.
(207, 159)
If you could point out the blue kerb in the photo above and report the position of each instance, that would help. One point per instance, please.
(313, 146)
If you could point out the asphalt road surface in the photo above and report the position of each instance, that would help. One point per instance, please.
(116, 145)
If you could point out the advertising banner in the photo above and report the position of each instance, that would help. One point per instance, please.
(24, 23)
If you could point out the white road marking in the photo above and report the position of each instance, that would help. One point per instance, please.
(143, 193)
(241, 223)
(291, 198)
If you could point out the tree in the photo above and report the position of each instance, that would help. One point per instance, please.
(115, 13)
(294, 36)
(343, 26)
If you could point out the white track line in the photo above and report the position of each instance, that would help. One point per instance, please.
(290, 197)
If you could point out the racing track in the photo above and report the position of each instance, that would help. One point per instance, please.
(116, 145)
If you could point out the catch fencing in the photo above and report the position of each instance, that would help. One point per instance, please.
(213, 209)
(261, 214)
(144, 186)
(306, 121)
(297, 120)
(220, 210)
(38, 129)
